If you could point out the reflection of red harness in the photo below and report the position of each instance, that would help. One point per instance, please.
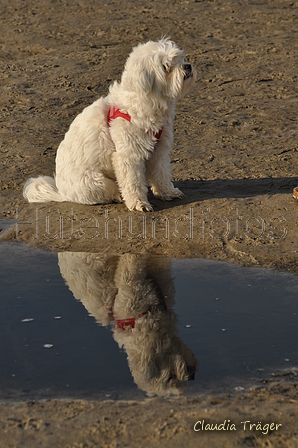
(130, 322)
(114, 112)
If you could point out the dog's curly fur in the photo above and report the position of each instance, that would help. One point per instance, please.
(97, 163)
(127, 286)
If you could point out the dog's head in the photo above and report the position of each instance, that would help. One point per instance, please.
(158, 69)
(159, 366)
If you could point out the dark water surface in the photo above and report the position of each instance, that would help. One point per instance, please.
(94, 326)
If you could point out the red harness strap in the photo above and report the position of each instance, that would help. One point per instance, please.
(114, 112)
(157, 135)
(124, 323)
(130, 322)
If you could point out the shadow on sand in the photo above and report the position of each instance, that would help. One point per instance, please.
(198, 190)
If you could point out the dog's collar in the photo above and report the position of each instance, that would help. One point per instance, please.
(115, 112)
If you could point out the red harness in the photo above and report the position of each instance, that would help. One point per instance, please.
(130, 322)
(114, 112)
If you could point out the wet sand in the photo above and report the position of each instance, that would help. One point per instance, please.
(235, 158)
(156, 423)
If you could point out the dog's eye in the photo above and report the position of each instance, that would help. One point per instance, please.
(166, 68)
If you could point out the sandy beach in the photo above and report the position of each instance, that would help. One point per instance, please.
(235, 157)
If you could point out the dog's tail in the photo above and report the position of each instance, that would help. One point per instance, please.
(41, 189)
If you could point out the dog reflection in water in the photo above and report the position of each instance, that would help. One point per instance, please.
(136, 294)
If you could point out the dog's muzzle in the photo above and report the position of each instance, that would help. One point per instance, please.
(191, 370)
(187, 68)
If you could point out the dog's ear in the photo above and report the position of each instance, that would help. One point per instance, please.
(144, 78)
(149, 72)
(137, 74)
(155, 69)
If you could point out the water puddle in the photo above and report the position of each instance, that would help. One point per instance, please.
(99, 326)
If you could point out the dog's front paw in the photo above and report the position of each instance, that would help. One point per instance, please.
(169, 195)
(143, 207)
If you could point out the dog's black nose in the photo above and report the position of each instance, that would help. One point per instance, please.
(191, 370)
(187, 68)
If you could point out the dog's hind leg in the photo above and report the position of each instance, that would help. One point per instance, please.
(95, 188)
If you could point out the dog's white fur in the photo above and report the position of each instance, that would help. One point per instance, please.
(97, 164)
(112, 287)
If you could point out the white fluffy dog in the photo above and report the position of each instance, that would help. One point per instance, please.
(135, 294)
(120, 144)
